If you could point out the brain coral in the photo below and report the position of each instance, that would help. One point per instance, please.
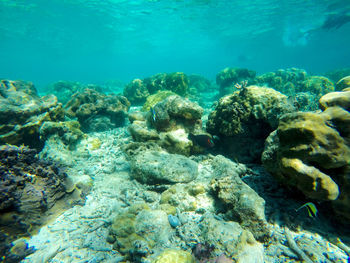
(311, 151)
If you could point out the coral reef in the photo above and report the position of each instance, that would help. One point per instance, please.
(64, 90)
(244, 119)
(29, 187)
(169, 124)
(311, 152)
(136, 231)
(138, 90)
(116, 199)
(295, 83)
(68, 132)
(228, 77)
(96, 111)
(286, 81)
(23, 112)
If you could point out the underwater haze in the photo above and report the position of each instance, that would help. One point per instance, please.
(91, 41)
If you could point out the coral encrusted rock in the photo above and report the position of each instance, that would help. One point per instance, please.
(244, 119)
(28, 188)
(169, 124)
(152, 165)
(136, 92)
(311, 152)
(228, 77)
(96, 111)
(23, 112)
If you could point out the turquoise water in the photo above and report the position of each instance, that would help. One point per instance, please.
(93, 41)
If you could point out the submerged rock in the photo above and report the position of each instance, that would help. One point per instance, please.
(242, 201)
(96, 111)
(244, 119)
(155, 166)
(138, 231)
(311, 151)
(169, 124)
(228, 77)
(23, 112)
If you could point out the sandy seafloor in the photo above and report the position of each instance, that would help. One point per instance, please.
(79, 233)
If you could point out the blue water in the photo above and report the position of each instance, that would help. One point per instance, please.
(93, 41)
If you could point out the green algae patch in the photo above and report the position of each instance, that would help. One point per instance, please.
(155, 98)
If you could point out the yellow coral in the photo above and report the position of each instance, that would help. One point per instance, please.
(174, 256)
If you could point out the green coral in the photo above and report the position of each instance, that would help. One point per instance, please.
(155, 98)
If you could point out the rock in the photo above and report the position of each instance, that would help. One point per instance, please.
(245, 204)
(244, 119)
(228, 77)
(141, 133)
(230, 237)
(96, 111)
(23, 112)
(341, 99)
(311, 152)
(286, 81)
(159, 167)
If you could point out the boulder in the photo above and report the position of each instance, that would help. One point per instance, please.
(311, 152)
